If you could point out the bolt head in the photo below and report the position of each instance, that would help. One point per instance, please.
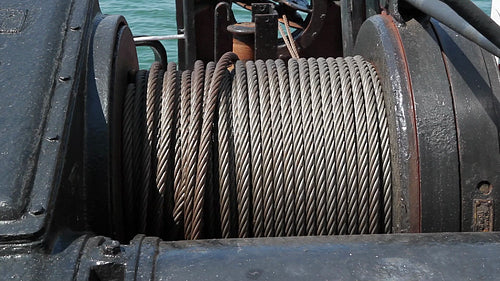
(111, 247)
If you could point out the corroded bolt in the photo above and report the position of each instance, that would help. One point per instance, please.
(111, 247)
(484, 187)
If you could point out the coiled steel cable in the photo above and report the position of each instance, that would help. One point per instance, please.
(266, 149)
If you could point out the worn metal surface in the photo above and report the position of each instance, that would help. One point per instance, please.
(113, 57)
(446, 256)
(49, 150)
(223, 18)
(352, 16)
(441, 12)
(476, 97)
(243, 40)
(436, 131)
(402, 257)
(380, 43)
(37, 113)
(266, 30)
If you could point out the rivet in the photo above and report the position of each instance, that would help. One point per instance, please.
(53, 139)
(64, 78)
(37, 210)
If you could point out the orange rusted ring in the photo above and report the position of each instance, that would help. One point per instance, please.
(243, 39)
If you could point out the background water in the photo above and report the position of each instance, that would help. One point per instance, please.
(157, 17)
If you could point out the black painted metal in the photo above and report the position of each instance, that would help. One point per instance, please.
(352, 16)
(444, 256)
(477, 18)
(224, 17)
(439, 160)
(436, 131)
(476, 99)
(181, 44)
(447, 16)
(158, 50)
(377, 257)
(266, 30)
(113, 58)
(63, 69)
(41, 66)
(189, 42)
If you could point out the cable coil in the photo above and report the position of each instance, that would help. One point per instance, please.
(266, 149)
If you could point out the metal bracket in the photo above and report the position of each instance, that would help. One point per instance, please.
(266, 30)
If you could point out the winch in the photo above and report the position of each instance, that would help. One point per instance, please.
(322, 140)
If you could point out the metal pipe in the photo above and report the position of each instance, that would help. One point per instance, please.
(189, 12)
(159, 38)
(451, 19)
(477, 18)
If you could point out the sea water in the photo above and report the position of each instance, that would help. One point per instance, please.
(157, 17)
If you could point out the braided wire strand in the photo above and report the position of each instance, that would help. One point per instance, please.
(373, 145)
(183, 116)
(350, 143)
(142, 169)
(288, 151)
(166, 149)
(191, 144)
(309, 149)
(128, 154)
(267, 148)
(329, 142)
(149, 144)
(256, 149)
(298, 148)
(242, 149)
(340, 146)
(385, 152)
(362, 145)
(279, 186)
(206, 141)
(224, 159)
(153, 111)
(319, 146)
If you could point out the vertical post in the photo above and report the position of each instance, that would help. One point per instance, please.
(266, 30)
(224, 17)
(189, 33)
(185, 12)
(353, 15)
(180, 30)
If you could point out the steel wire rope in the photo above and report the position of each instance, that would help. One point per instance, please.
(266, 149)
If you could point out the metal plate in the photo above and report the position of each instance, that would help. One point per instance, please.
(38, 90)
(477, 108)
(436, 131)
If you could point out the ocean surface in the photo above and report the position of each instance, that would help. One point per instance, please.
(157, 17)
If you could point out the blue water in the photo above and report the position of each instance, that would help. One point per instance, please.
(147, 17)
